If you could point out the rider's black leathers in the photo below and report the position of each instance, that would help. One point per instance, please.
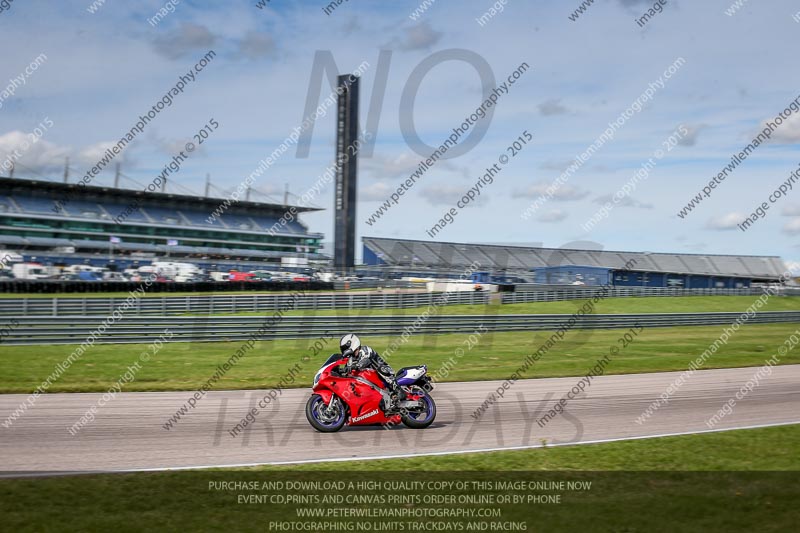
(369, 358)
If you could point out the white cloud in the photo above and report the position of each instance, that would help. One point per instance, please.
(41, 156)
(420, 37)
(552, 216)
(256, 45)
(696, 247)
(552, 107)
(557, 166)
(351, 26)
(44, 157)
(792, 227)
(725, 222)
(793, 266)
(565, 193)
(169, 146)
(402, 166)
(791, 210)
(449, 194)
(693, 131)
(375, 192)
(626, 201)
(787, 132)
(186, 39)
(390, 167)
(89, 155)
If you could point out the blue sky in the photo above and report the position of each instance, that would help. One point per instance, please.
(104, 69)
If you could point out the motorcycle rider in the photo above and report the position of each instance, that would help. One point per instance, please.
(363, 357)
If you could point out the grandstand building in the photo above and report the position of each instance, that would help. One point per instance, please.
(555, 266)
(99, 227)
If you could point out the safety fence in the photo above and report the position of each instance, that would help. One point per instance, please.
(387, 299)
(74, 330)
(229, 303)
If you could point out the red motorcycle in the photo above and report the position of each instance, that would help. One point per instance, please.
(359, 397)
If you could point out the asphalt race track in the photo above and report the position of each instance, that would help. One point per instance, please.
(128, 432)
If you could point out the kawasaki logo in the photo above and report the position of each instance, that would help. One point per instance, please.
(362, 417)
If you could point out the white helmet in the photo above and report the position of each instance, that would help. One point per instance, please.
(349, 342)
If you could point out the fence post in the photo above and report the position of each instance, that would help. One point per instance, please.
(55, 306)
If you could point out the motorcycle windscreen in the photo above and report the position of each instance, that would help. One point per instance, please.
(332, 359)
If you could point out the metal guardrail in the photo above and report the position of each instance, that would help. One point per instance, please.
(526, 293)
(230, 303)
(378, 284)
(256, 303)
(74, 330)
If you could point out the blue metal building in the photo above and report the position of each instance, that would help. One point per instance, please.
(589, 275)
(565, 266)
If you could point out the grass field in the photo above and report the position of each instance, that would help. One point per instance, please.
(678, 304)
(739, 450)
(184, 366)
(729, 481)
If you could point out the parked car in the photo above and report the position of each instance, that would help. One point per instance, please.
(242, 276)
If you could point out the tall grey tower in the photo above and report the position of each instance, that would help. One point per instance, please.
(344, 246)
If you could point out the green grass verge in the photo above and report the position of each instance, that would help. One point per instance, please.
(730, 481)
(678, 304)
(773, 448)
(185, 366)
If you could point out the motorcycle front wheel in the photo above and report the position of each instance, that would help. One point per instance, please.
(323, 418)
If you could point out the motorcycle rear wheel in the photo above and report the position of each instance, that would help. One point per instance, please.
(320, 419)
(422, 419)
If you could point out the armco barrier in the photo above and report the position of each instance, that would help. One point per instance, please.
(74, 330)
(227, 303)
(256, 303)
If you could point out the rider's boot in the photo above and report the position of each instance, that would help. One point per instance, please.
(397, 393)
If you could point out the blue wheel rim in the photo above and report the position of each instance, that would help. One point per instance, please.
(315, 412)
(428, 411)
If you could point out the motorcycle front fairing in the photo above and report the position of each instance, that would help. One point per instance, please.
(361, 391)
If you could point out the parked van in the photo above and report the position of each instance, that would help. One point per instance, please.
(29, 271)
